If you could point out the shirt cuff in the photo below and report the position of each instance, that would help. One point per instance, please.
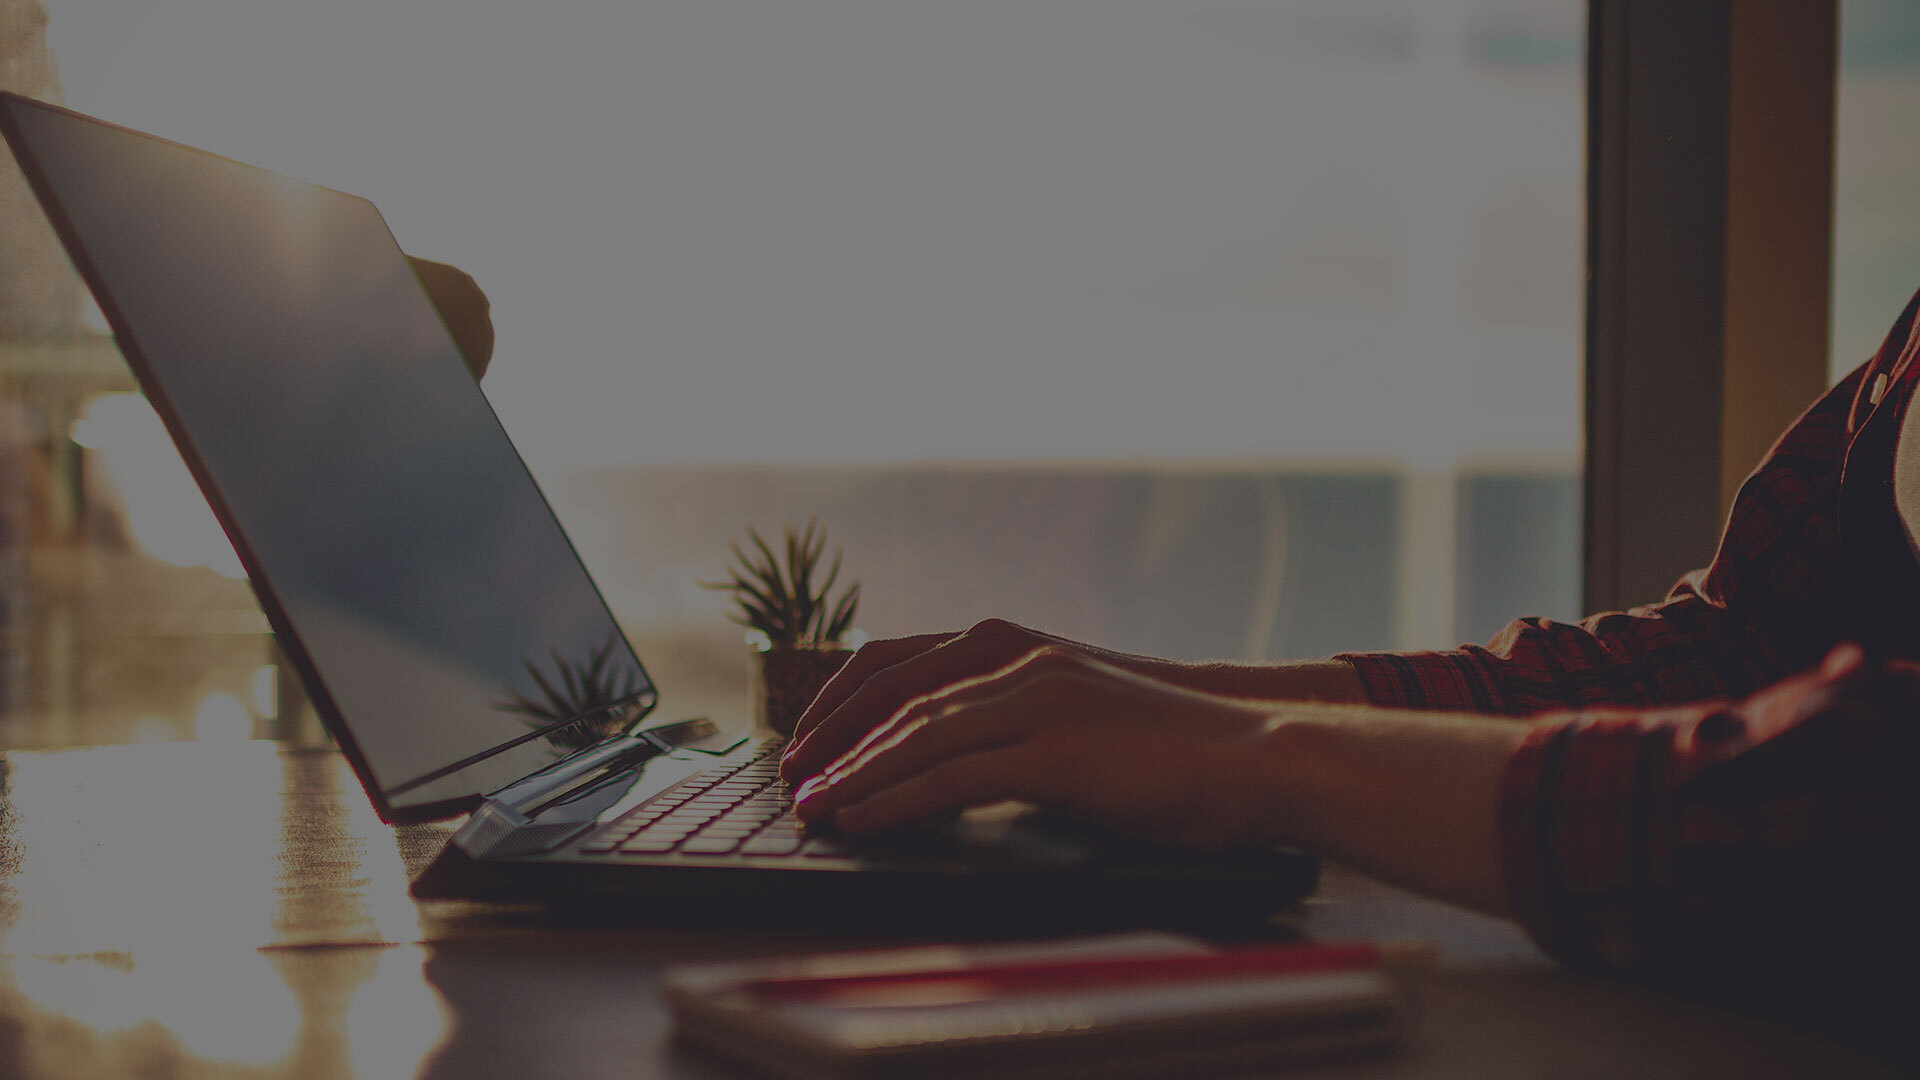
(1575, 844)
(1443, 681)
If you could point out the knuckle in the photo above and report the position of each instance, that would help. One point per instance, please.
(996, 629)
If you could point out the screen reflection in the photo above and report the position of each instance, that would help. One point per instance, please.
(366, 480)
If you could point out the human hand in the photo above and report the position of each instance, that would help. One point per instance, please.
(1056, 727)
(885, 675)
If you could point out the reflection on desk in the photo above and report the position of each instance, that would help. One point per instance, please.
(219, 910)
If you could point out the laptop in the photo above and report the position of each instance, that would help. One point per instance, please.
(446, 631)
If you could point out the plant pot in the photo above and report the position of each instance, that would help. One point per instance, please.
(785, 681)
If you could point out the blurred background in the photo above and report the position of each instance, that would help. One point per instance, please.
(1214, 329)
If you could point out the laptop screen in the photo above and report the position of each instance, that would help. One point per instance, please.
(382, 513)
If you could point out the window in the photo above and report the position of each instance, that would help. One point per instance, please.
(1209, 329)
(1876, 234)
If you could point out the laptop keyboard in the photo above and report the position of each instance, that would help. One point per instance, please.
(744, 810)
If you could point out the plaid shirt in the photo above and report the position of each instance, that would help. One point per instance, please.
(1708, 777)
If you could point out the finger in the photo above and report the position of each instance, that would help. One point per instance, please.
(977, 779)
(975, 692)
(923, 735)
(871, 658)
(982, 650)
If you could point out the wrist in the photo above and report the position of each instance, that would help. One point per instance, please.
(1409, 797)
(1292, 772)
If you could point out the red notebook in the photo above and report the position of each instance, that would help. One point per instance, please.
(1134, 1005)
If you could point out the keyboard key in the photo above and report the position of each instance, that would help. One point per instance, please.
(675, 829)
(648, 847)
(771, 845)
(731, 836)
(751, 824)
(669, 832)
(710, 845)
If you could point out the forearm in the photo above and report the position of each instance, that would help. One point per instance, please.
(1296, 680)
(1411, 798)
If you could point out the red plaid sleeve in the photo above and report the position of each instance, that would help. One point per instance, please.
(1764, 608)
(1719, 837)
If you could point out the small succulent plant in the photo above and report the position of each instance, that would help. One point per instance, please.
(778, 598)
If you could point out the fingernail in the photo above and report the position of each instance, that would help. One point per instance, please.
(809, 789)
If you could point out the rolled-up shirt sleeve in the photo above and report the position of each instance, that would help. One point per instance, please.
(1763, 609)
(1765, 836)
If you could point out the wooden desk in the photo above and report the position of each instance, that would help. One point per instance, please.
(236, 910)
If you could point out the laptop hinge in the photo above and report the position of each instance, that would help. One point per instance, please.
(542, 811)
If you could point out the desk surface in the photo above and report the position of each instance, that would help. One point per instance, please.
(236, 910)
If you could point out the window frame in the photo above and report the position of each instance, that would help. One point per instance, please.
(1709, 257)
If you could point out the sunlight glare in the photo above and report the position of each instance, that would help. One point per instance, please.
(396, 1017)
(112, 994)
(165, 510)
(222, 717)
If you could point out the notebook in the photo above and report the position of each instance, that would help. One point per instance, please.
(446, 631)
(1141, 1004)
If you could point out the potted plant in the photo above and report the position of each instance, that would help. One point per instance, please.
(796, 626)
